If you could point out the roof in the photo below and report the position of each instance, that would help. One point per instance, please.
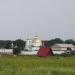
(42, 52)
(63, 45)
(36, 39)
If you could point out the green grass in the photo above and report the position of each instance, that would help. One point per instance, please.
(33, 65)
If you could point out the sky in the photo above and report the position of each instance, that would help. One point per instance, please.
(48, 19)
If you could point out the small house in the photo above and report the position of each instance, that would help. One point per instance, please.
(62, 48)
(43, 52)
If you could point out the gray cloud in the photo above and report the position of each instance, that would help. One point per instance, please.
(45, 18)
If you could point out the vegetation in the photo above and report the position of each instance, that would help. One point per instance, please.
(8, 44)
(33, 65)
(49, 43)
(21, 44)
(11, 44)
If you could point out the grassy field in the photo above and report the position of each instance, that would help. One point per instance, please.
(33, 65)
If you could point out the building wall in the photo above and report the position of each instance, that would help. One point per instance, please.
(60, 48)
(58, 52)
(6, 51)
(28, 44)
(29, 52)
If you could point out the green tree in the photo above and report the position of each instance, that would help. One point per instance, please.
(19, 43)
(8, 44)
(53, 41)
(46, 43)
(2, 44)
(70, 41)
(58, 41)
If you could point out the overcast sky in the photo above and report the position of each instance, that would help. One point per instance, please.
(46, 18)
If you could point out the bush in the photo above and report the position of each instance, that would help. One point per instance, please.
(16, 51)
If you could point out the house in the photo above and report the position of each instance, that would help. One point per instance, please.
(32, 46)
(62, 48)
(43, 52)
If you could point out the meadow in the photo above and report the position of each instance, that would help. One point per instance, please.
(33, 65)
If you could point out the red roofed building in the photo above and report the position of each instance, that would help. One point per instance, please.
(43, 52)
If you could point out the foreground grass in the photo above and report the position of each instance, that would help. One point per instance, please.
(33, 65)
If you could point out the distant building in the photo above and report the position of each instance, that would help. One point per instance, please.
(33, 44)
(62, 48)
(28, 44)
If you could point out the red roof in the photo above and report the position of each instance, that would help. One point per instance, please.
(44, 52)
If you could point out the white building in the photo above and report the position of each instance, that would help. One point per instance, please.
(28, 44)
(6, 51)
(36, 43)
(32, 46)
(62, 48)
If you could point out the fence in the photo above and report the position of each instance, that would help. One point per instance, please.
(6, 51)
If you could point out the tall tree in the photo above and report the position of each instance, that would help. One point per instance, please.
(19, 43)
(8, 44)
(70, 41)
(46, 43)
(58, 41)
(2, 44)
(53, 41)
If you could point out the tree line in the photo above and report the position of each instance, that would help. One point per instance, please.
(49, 43)
(8, 44)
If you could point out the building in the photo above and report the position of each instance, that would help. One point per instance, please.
(32, 46)
(36, 43)
(43, 52)
(28, 44)
(62, 48)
